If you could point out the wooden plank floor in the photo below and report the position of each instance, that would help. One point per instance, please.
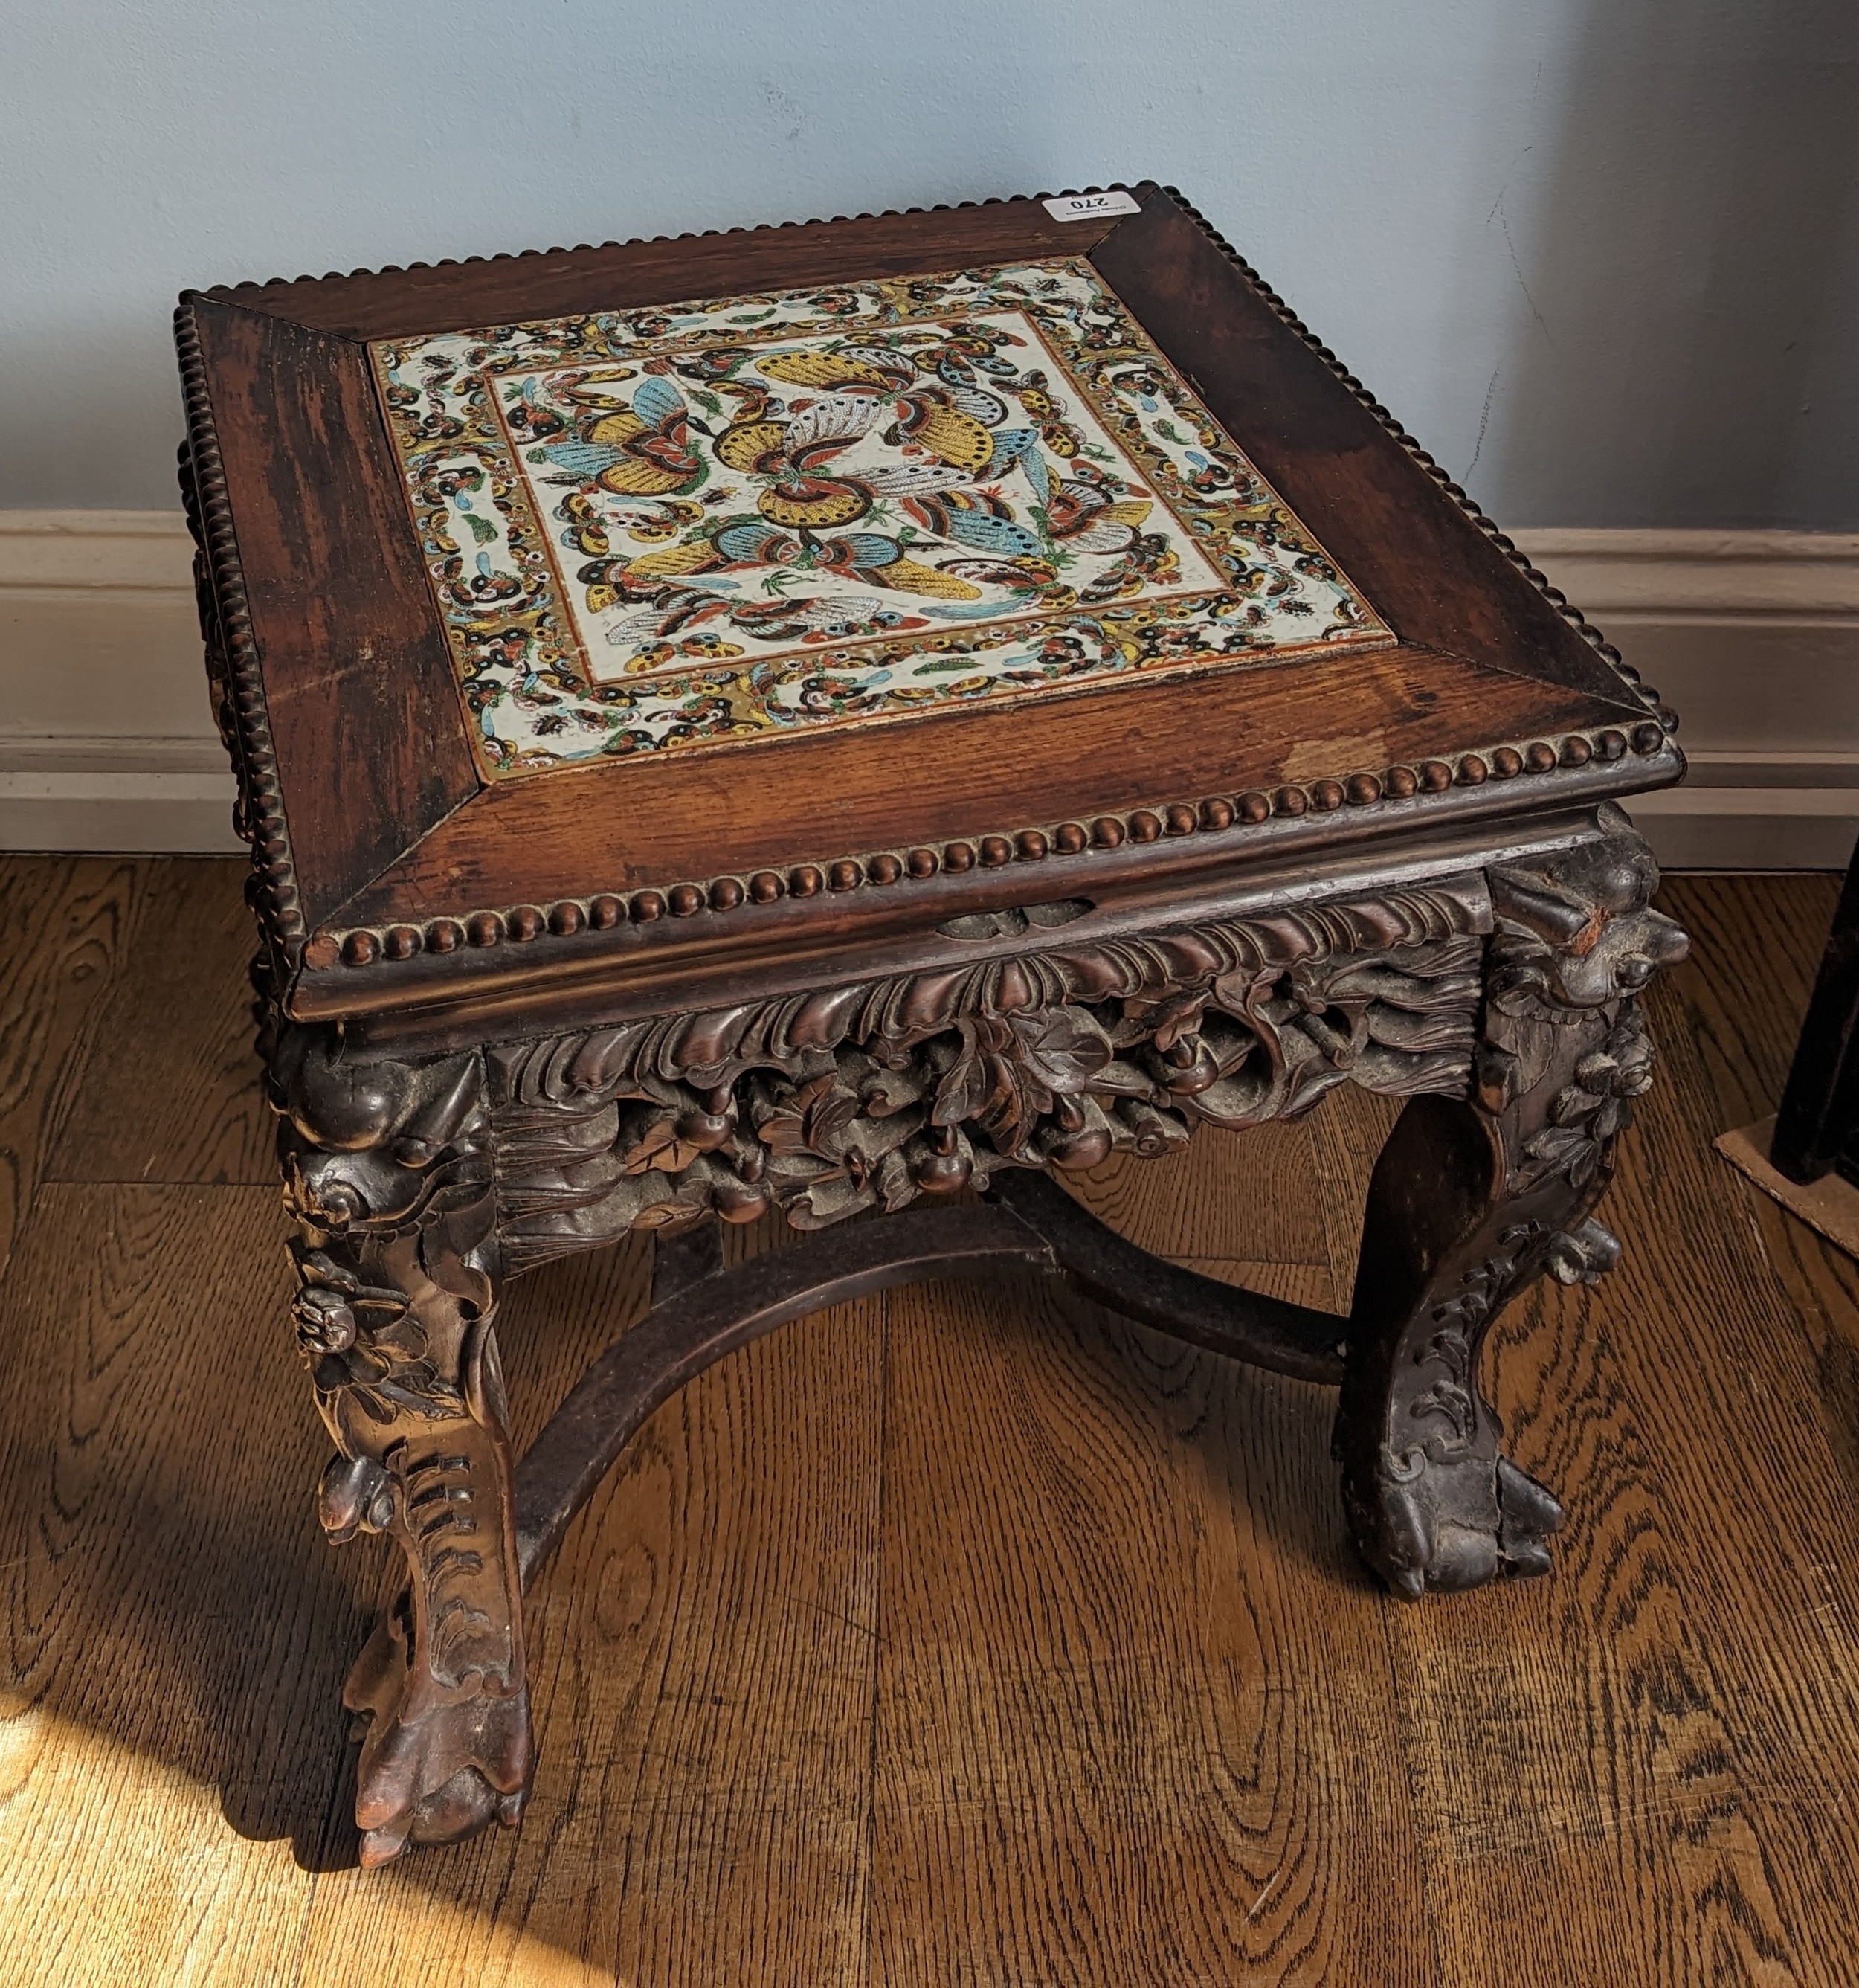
(962, 1636)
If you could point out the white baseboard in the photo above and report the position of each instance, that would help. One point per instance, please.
(144, 795)
(106, 742)
(1753, 638)
(106, 738)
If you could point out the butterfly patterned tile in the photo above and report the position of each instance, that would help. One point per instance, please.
(661, 529)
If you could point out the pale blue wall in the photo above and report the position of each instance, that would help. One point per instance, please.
(1601, 255)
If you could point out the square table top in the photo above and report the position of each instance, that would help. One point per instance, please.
(754, 517)
(579, 610)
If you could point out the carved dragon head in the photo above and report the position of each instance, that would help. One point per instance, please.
(370, 1143)
(1576, 931)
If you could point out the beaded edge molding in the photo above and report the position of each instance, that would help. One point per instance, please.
(1641, 694)
(260, 815)
(1276, 304)
(222, 290)
(366, 945)
(265, 827)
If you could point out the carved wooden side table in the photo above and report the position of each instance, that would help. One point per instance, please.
(824, 718)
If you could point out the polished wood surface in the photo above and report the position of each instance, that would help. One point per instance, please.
(742, 807)
(956, 1635)
(342, 693)
(483, 291)
(1437, 579)
(365, 717)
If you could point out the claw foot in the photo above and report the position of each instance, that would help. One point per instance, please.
(1453, 1526)
(439, 1762)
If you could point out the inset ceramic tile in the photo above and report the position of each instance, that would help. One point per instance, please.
(673, 528)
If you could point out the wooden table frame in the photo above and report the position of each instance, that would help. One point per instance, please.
(486, 1052)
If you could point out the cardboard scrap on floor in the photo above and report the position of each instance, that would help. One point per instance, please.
(1830, 1204)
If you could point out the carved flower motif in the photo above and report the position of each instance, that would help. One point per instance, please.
(831, 1151)
(1589, 1113)
(325, 1321)
(816, 1119)
(360, 1338)
(840, 1099)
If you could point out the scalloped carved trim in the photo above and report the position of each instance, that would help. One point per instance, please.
(367, 945)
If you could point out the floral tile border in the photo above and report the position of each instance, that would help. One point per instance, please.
(661, 529)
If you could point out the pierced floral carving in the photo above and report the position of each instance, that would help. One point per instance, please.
(1585, 1115)
(1448, 1353)
(867, 1096)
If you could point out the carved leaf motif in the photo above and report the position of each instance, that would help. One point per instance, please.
(1567, 1150)
(885, 1088)
(830, 1115)
(1061, 1050)
(1118, 1079)
(374, 1406)
(829, 1199)
(688, 1202)
(893, 1181)
(969, 1083)
(885, 1093)
(1245, 989)
(1012, 1070)
(1417, 1034)
(784, 1131)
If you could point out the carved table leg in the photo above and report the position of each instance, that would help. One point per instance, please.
(416, 1183)
(1472, 1201)
(388, 1174)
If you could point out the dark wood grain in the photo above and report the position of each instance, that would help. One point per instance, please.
(704, 1320)
(1754, 936)
(174, 1093)
(384, 828)
(1741, 1054)
(1136, 1718)
(1656, 1731)
(1120, 1738)
(659, 820)
(365, 718)
(1296, 1283)
(658, 964)
(1028, 1224)
(171, 1633)
(1257, 1199)
(707, 1819)
(1345, 1137)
